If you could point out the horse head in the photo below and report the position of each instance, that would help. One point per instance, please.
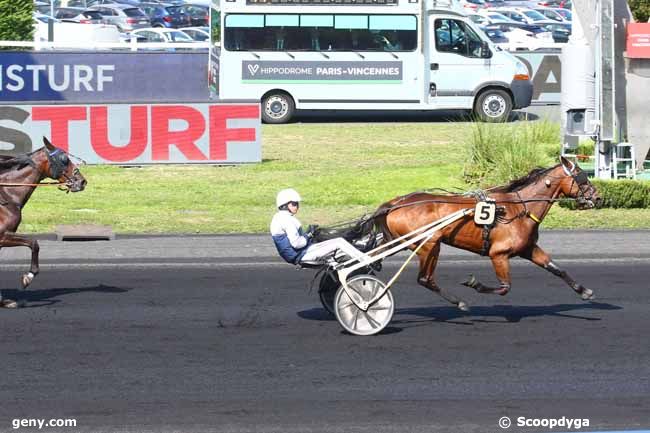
(575, 184)
(58, 166)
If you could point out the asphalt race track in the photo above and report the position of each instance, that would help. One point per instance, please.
(216, 334)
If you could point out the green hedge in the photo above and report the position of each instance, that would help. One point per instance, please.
(626, 194)
(16, 20)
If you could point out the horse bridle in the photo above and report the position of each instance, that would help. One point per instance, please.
(582, 181)
(59, 160)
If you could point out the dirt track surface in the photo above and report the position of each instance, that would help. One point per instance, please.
(216, 334)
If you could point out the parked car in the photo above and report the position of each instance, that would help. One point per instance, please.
(161, 15)
(550, 3)
(495, 17)
(125, 17)
(164, 36)
(78, 15)
(560, 31)
(530, 36)
(522, 15)
(472, 5)
(196, 15)
(198, 34)
(565, 13)
(551, 14)
(42, 7)
(495, 33)
(478, 19)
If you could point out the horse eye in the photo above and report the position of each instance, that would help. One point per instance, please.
(64, 159)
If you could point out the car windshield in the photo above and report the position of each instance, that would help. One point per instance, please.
(534, 15)
(197, 36)
(178, 36)
(565, 13)
(134, 13)
(92, 15)
(498, 17)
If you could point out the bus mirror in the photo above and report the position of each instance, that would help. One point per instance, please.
(485, 50)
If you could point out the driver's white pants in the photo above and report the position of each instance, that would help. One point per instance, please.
(316, 252)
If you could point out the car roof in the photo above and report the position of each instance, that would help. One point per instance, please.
(116, 6)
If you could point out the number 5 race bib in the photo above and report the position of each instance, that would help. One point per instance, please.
(485, 212)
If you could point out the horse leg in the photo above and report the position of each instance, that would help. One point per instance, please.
(13, 240)
(541, 258)
(501, 265)
(428, 262)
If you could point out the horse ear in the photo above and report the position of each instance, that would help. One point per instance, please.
(567, 164)
(49, 145)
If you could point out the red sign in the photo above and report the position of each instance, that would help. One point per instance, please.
(135, 134)
(638, 40)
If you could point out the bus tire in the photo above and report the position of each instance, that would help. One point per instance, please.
(493, 105)
(277, 107)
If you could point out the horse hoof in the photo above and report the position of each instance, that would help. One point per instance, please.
(471, 282)
(27, 279)
(462, 306)
(587, 295)
(8, 303)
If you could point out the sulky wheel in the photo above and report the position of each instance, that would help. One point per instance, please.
(359, 322)
(327, 288)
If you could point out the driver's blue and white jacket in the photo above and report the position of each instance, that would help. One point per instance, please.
(288, 236)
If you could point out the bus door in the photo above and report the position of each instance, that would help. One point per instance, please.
(455, 63)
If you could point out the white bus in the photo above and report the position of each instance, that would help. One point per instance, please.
(364, 55)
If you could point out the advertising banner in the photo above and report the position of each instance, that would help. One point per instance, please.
(134, 134)
(545, 69)
(107, 77)
(314, 71)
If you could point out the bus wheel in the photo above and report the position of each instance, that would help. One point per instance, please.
(493, 105)
(277, 108)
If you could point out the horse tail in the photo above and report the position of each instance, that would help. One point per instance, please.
(379, 221)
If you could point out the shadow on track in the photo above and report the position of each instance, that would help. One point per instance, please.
(45, 297)
(511, 313)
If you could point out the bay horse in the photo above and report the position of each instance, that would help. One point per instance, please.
(19, 177)
(521, 206)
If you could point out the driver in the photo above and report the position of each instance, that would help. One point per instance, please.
(296, 246)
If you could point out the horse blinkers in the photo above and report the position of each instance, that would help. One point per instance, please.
(586, 191)
(59, 163)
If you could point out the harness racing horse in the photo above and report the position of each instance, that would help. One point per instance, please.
(521, 207)
(19, 177)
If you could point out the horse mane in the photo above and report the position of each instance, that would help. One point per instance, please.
(519, 183)
(19, 161)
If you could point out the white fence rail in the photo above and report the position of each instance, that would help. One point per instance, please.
(133, 45)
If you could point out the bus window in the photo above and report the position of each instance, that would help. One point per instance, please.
(292, 32)
(394, 32)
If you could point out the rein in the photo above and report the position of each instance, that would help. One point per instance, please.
(34, 184)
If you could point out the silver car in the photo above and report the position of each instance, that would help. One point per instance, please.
(125, 17)
(78, 15)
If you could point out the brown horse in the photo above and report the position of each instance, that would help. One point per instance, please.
(19, 177)
(521, 207)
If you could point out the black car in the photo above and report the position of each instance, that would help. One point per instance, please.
(193, 15)
(561, 31)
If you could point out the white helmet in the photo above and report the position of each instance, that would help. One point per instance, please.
(287, 195)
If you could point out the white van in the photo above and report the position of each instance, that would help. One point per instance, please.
(364, 55)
